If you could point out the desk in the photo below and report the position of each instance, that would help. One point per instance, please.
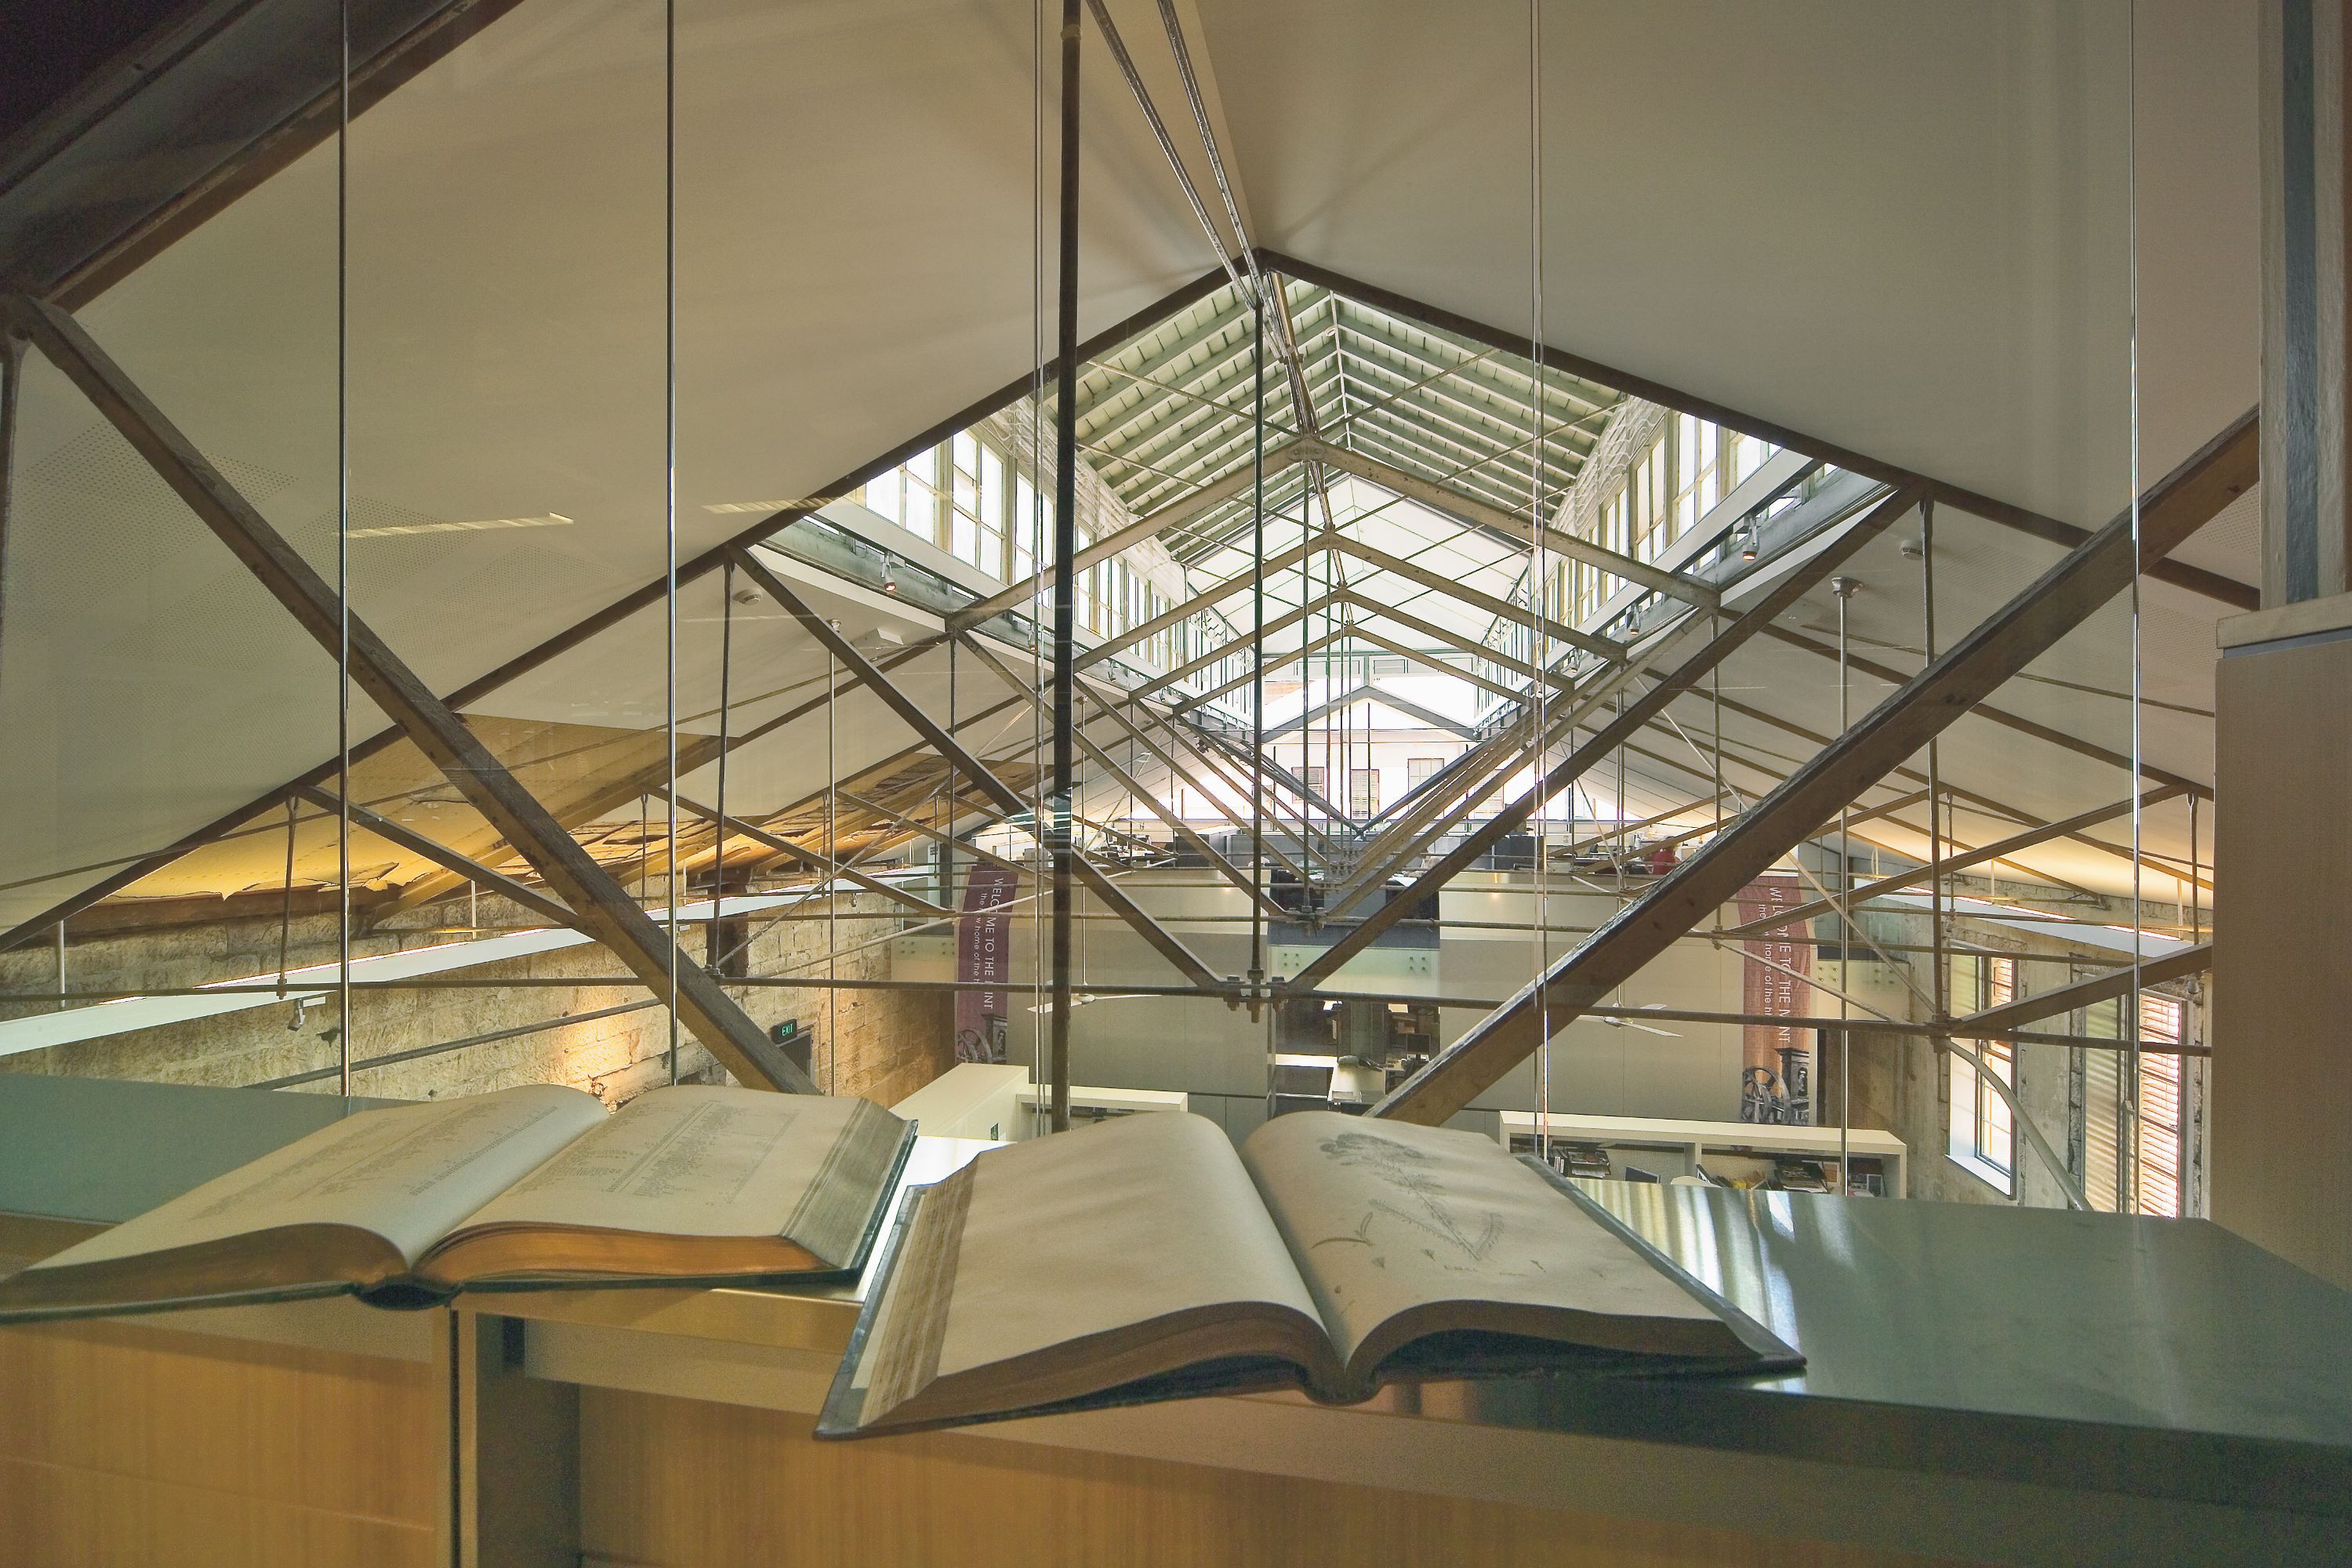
(1984, 1385)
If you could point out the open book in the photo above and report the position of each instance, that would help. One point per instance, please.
(1144, 1258)
(527, 1188)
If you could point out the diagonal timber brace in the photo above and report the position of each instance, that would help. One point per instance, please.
(1998, 1022)
(1118, 775)
(1631, 718)
(823, 866)
(982, 776)
(2004, 644)
(1462, 509)
(448, 859)
(2000, 850)
(601, 906)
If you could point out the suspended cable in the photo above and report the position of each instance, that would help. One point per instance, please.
(669, 527)
(1539, 583)
(1167, 143)
(344, 1021)
(2139, 734)
(1065, 551)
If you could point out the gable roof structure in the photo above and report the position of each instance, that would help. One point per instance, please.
(507, 369)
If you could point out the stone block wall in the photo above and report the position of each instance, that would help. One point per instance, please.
(882, 1045)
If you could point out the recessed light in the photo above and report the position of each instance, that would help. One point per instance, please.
(388, 530)
(809, 503)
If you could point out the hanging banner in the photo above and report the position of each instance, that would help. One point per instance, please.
(1766, 1093)
(984, 953)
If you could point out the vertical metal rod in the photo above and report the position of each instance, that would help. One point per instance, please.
(2131, 1030)
(1257, 646)
(1306, 895)
(2193, 1068)
(1038, 783)
(718, 830)
(1845, 587)
(1939, 958)
(830, 879)
(1066, 549)
(669, 479)
(285, 917)
(947, 825)
(12, 373)
(344, 1021)
(2196, 899)
(1539, 583)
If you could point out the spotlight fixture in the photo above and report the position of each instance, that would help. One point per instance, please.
(1748, 539)
(889, 578)
(301, 1015)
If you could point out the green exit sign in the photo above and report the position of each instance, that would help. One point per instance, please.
(785, 1030)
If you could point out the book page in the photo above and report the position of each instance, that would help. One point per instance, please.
(1086, 1232)
(1385, 1216)
(699, 1160)
(409, 1173)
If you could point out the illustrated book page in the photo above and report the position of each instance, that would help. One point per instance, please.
(1144, 1259)
(1054, 1270)
(1404, 1232)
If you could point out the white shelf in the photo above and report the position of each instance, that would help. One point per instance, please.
(1698, 1138)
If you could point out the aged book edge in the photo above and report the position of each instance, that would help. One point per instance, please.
(404, 1293)
(275, 1293)
(849, 1270)
(845, 1402)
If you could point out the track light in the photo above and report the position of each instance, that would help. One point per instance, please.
(889, 578)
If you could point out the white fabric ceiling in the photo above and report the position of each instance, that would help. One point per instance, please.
(1898, 228)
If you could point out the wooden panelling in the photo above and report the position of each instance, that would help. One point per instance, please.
(2281, 1124)
(56, 1517)
(123, 1445)
(674, 1483)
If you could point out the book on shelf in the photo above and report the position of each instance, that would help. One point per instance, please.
(1148, 1259)
(531, 1188)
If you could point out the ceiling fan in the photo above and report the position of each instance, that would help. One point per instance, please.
(1651, 1028)
(1078, 1001)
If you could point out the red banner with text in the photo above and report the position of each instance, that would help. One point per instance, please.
(1773, 982)
(984, 955)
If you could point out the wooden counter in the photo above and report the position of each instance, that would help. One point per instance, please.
(1985, 1385)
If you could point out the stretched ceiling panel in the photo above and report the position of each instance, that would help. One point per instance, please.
(1907, 236)
(1901, 230)
(855, 262)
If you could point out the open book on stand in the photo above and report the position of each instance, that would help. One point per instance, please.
(1145, 1258)
(530, 1188)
